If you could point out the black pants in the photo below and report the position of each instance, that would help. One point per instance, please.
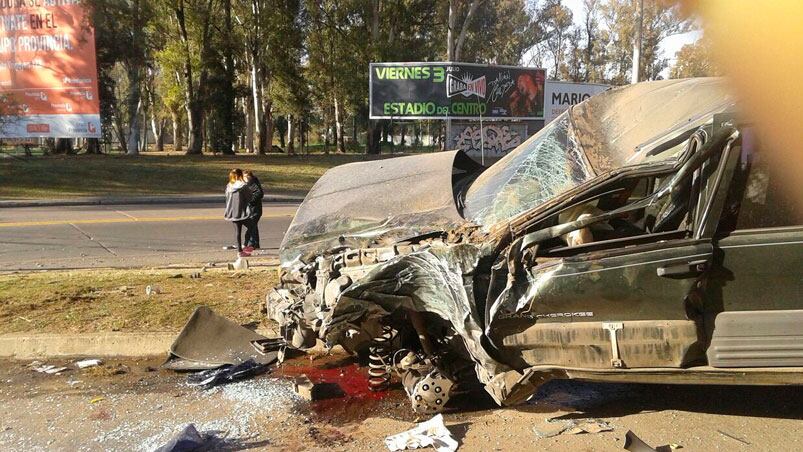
(252, 230)
(238, 230)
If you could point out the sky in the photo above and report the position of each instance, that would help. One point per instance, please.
(668, 47)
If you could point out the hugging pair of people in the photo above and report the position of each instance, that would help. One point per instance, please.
(244, 208)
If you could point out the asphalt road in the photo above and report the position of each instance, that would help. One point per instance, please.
(39, 238)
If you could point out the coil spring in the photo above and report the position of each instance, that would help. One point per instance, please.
(379, 356)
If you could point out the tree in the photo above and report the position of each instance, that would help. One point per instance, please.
(694, 60)
(661, 20)
(122, 37)
(458, 9)
(557, 20)
(499, 32)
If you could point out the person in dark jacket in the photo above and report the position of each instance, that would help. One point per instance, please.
(237, 197)
(255, 211)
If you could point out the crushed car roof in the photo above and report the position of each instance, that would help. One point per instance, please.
(621, 126)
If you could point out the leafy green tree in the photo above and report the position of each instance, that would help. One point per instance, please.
(661, 20)
(695, 60)
(122, 37)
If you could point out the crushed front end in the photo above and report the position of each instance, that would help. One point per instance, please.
(407, 308)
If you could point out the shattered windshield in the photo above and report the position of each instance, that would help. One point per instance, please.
(547, 164)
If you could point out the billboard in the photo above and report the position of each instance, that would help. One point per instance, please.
(455, 90)
(48, 72)
(562, 95)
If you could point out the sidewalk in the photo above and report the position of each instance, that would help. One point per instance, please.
(155, 199)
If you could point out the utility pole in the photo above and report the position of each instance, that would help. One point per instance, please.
(637, 44)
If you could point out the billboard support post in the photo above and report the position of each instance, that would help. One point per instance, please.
(482, 138)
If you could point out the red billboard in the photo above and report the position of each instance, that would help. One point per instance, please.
(48, 72)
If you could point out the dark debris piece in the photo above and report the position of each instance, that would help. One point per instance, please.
(226, 374)
(186, 441)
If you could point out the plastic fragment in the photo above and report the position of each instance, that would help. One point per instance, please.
(430, 433)
(88, 363)
(226, 374)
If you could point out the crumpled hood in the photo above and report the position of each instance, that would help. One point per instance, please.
(357, 204)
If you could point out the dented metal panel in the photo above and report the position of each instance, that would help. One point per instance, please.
(642, 343)
(385, 201)
(622, 126)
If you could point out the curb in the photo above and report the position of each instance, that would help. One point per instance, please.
(96, 345)
(102, 345)
(149, 200)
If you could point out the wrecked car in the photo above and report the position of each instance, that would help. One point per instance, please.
(642, 236)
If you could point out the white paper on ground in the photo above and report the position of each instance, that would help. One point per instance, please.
(88, 363)
(430, 433)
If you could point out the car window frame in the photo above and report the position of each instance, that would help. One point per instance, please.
(709, 195)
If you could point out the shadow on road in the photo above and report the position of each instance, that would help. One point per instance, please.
(621, 399)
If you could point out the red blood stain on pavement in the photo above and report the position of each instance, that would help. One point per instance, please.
(357, 403)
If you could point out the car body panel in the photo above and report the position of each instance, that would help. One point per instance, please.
(389, 200)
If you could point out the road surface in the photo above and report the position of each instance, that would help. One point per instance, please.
(38, 238)
(134, 405)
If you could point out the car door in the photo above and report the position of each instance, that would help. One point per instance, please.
(632, 302)
(754, 301)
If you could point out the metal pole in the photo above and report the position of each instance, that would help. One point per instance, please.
(482, 133)
(447, 139)
(634, 76)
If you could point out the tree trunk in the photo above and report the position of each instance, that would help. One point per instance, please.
(291, 135)
(159, 136)
(195, 123)
(143, 142)
(464, 31)
(268, 126)
(134, 103)
(93, 146)
(372, 138)
(341, 142)
(281, 132)
(157, 127)
(326, 139)
(249, 126)
(194, 95)
(354, 143)
(176, 118)
(450, 31)
(63, 146)
(227, 109)
(303, 136)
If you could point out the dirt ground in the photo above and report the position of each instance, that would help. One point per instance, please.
(137, 406)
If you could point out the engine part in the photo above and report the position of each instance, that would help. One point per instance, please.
(428, 393)
(379, 360)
